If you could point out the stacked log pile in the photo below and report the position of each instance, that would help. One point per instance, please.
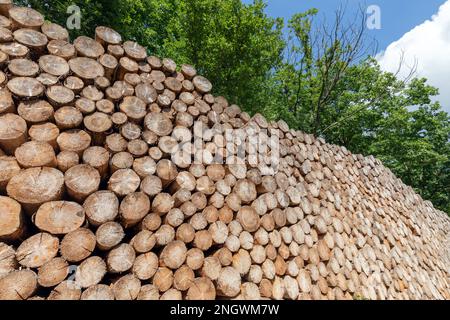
(100, 197)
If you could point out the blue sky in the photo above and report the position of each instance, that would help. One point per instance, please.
(417, 30)
(397, 16)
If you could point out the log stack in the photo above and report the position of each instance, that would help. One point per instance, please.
(100, 197)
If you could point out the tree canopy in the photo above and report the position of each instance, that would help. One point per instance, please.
(320, 78)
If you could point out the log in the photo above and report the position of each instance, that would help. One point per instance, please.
(107, 36)
(33, 39)
(54, 31)
(54, 65)
(35, 154)
(133, 208)
(121, 258)
(97, 158)
(143, 241)
(8, 168)
(37, 250)
(6, 101)
(74, 140)
(109, 235)
(11, 220)
(195, 258)
(15, 50)
(98, 124)
(134, 51)
(201, 289)
(18, 285)
(61, 48)
(74, 83)
(13, 132)
(53, 273)
(229, 282)
(8, 261)
(183, 278)
(98, 292)
(86, 69)
(124, 182)
(126, 288)
(23, 68)
(34, 112)
(101, 207)
(174, 254)
(35, 186)
(59, 217)
(202, 84)
(77, 245)
(148, 292)
(248, 218)
(81, 181)
(145, 266)
(23, 17)
(88, 47)
(66, 290)
(163, 279)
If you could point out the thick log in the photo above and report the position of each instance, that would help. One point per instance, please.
(145, 266)
(90, 272)
(11, 219)
(18, 285)
(53, 273)
(66, 290)
(37, 250)
(59, 217)
(77, 245)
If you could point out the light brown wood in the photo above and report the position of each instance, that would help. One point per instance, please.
(11, 219)
(81, 181)
(54, 31)
(18, 285)
(66, 290)
(201, 289)
(90, 272)
(59, 217)
(13, 132)
(126, 288)
(53, 272)
(98, 292)
(121, 258)
(145, 266)
(35, 154)
(74, 140)
(133, 208)
(78, 245)
(101, 207)
(32, 187)
(25, 18)
(229, 282)
(35, 111)
(37, 250)
(163, 279)
(123, 182)
(86, 69)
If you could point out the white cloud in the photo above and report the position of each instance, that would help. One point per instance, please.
(429, 45)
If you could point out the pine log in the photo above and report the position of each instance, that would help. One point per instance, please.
(77, 245)
(37, 250)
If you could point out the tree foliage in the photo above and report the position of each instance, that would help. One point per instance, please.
(320, 78)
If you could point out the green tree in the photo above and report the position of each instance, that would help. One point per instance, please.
(236, 46)
(336, 90)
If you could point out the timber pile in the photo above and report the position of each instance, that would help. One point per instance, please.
(95, 202)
